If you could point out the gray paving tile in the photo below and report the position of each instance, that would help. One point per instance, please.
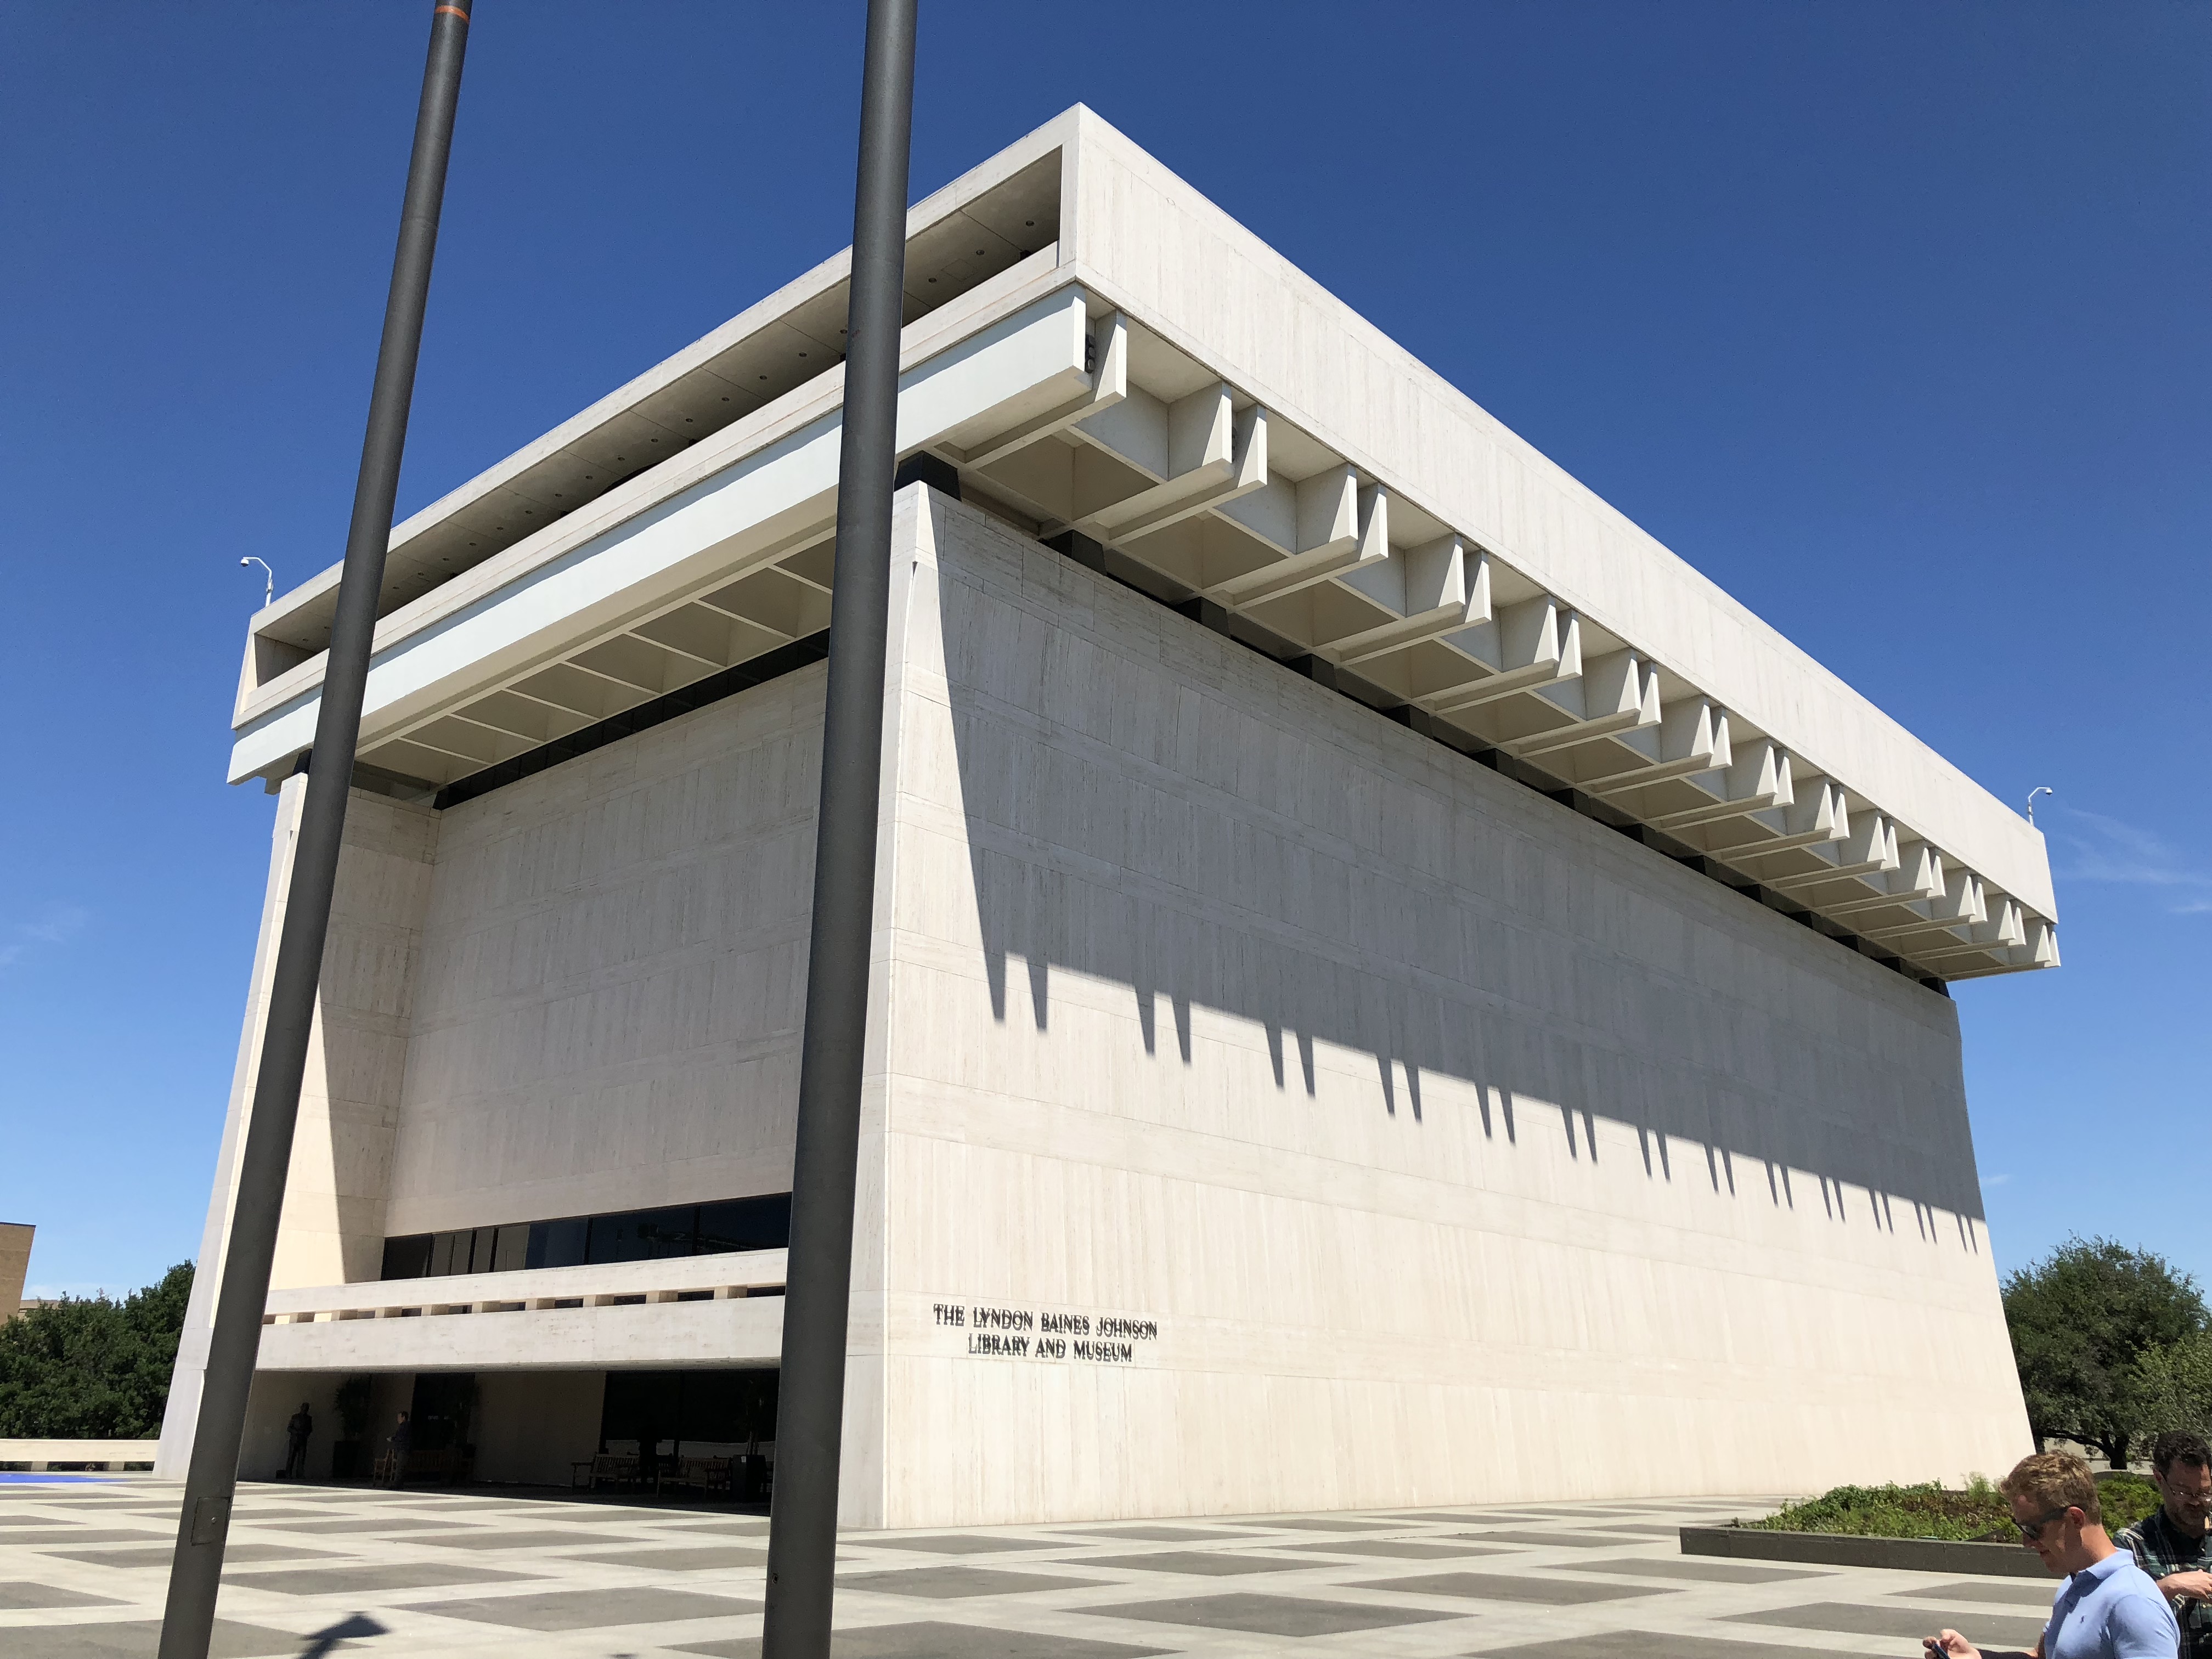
(161, 1557)
(588, 1609)
(1462, 1517)
(1511, 1587)
(18, 1596)
(1569, 1540)
(24, 1521)
(488, 1539)
(1406, 1549)
(244, 1515)
(932, 1640)
(1211, 1562)
(1690, 1566)
(370, 1525)
(1267, 1615)
(1162, 1535)
(701, 1559)
(1493, 1517)
(369, 1580)
(1576, 1511)
(1655, 1644)
(959, 1543)
(30, 1539)
(142, 1639)
(1652, 1531)
(1329, 1523)
(720, 1528)
(1695, 1508)
(947, 1583)
(1979, 1625)
(2016, 1592)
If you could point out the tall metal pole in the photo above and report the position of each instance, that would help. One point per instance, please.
(195, 1574)
(802, 1541)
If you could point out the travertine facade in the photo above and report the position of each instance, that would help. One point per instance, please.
(1456, 1145)
(1356, 1021)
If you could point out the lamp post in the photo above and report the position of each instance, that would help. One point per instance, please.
(269, 585)
(195, 1572)
(2040, 789)
(802, 1543)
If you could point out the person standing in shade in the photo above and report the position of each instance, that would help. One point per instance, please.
(401, 1442)
(2108, 1608)
(2172, 1542)
(296, 1434)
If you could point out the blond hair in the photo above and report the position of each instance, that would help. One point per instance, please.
(2055, 1480)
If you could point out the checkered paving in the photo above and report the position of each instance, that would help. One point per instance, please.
(328, 1570)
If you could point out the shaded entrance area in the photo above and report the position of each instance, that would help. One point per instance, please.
(711, 1430)
(707, 1431)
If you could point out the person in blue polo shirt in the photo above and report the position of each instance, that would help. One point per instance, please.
(2109, 1607)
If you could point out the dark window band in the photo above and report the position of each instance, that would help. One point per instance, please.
(720, 1228)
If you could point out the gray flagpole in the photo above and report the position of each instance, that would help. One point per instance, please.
(196, 1573)
(802, 1541)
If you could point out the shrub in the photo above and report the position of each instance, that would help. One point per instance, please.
(2127, 1498)
(1979, 1513)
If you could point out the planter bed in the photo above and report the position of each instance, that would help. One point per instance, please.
(1848, 1550)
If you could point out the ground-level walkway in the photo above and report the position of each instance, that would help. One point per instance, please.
(317, 1570)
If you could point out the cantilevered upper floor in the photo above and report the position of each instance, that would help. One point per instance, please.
(1109, 363)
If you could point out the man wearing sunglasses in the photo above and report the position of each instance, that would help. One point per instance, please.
(2171, 1544)
(2108, 1608)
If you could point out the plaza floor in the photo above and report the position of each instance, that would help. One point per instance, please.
(317, 1571)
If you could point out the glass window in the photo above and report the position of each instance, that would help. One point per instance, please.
(512, 1249)
(441, 1254)
(408, 1257)
(746, 1224)
(710, 1413)
(643, 1235)
(558, 1243)
(722, 1411)
(641, 1407)
(760, 1223)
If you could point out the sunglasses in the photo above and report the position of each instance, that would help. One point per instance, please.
(2032, 1530)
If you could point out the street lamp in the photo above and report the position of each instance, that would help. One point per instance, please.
(2040, 789)
(269, 593)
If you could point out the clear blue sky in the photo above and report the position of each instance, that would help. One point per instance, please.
(1891, 317)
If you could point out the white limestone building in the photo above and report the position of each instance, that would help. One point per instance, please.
(1390, 988)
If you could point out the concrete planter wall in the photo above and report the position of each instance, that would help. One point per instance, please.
(1840, 1549)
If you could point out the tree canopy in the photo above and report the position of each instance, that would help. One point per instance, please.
(90, 1368)
(2106, 1339)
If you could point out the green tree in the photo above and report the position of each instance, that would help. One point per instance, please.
(2082, 1320)
(2174, 1384)
(89, 1368)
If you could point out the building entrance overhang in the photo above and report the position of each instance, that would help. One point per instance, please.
(687, 1311)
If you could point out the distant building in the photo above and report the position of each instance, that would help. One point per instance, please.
(14, 1266)
(1391, 989)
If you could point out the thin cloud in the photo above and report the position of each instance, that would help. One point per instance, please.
(2091, 847)
(56, 924)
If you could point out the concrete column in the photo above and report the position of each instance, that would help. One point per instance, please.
(333, 1223)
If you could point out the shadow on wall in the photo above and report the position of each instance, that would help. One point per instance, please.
(1150, 805)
